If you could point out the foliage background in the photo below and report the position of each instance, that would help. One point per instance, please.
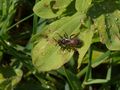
(30, 59)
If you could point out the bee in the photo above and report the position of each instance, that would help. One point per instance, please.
(72, 42)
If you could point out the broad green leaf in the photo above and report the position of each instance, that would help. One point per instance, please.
(52, 27)
(109, 28)
(96, 54)
(82, 5)
(100, 23)
(113, 31)
(56, 26)
(44, 8)
(86, 36)
(101, 59)
(59, 4)
(47, 54)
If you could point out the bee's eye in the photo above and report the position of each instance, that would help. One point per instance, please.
(63, 41)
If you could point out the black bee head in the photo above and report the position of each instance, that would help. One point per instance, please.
(63, 41)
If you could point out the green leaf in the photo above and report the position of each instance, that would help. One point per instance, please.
(73, 80)
(109, 27)
(96, 54)
(6, 18)
(44, 8)
(100, 22)
(113, 31)
(18, 76)
(101, 59)
(96, 81)
(47, 54)
(2, 79)
(116, 57)
(82, 5)
(86, 36)
(59, 4)
(9, 77)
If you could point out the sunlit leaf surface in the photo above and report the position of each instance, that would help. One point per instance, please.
(87, 39)
(50, 8)
(109, 29)
(47, 54)
(82, 5)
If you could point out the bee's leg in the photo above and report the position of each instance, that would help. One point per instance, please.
(56, 42)
(68, 49)
(74, 35)
(75, 49)
(66, 35)
(63, 47)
